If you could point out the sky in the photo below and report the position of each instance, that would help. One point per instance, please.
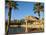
(24, 9)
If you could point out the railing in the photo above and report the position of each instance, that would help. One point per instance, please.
(29, 26)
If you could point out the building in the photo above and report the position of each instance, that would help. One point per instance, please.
(30, 22)
(33, 22)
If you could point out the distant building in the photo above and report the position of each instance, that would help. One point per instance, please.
(28, 22)
(34, 22)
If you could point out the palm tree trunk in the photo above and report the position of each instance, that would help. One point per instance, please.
(39, 14)
(9, 18)
(43, 16)
(39, 19)
(9, 14)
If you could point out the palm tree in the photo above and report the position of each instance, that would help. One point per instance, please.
(10, 5)
(38, 7)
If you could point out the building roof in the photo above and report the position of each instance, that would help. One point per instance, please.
(32, 18)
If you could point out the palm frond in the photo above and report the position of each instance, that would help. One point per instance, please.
(14, 4)
(36, 4)
(34, 12)
(6, 1)
(42, 8)
(38, 7)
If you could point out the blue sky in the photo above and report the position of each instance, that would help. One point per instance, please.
(24, 9)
